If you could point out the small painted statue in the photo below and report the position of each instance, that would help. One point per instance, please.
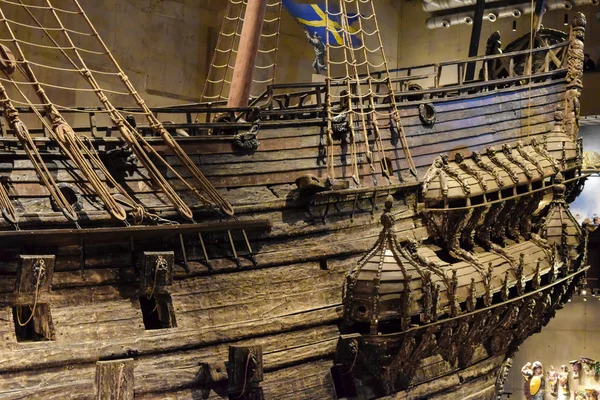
(563, 382)
(535, 383)
(587, 365)
(576, 367)
(320, 51)
(586, 394)
(552, 375)
(580, 395)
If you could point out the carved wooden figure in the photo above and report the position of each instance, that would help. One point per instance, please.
(576, 367)
(552, 375)
(535, 384)
(563, 382)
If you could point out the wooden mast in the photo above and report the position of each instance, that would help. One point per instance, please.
(241, 82)
(475, 37)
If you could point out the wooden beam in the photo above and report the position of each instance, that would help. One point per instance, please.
(114, 379)
(239, 93)
(475, 38)
(115, 234)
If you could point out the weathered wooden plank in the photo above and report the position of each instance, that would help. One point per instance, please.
(29, 356)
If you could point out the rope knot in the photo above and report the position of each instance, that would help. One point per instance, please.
(86, 72)
(329, 137)
(39, 268)
(161, 264)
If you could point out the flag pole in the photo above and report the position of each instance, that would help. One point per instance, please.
(241, 82)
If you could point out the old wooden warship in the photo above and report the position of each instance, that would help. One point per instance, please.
(384, 234)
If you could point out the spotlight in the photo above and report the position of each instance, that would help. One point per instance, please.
(566, 19)
(584, 292)
(514, 26)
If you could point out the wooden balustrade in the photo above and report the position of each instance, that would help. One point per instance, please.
(443, 79)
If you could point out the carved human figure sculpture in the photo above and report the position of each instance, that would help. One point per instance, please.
(563, 382)
(320, 50)
(534, 386)
(576, 367)
(587, 365)
(552, 375)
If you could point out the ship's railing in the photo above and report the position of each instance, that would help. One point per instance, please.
(306, 101)
(444, 77)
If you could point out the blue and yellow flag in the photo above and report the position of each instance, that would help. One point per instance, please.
(313, 18)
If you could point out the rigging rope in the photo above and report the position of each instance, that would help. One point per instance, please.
(372, 105)
(361, 97)
(41, 264)
(64, 135)
(183, 157)
(529, 65)
(134, 139)
(22, 133)
(7, 208)
(216, 86)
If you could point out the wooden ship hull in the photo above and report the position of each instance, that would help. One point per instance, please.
(258, 306)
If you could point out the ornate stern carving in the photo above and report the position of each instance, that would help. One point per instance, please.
(247, 141)
(519, 275)
(120, 161)
(575, 60)
(560, 228)
(362, 301)
(157, 270)
(460, 160)
(491, 153)
(508, 153)
(541, 151)
(440, 170)
(487, 167)
(34, 274)
(529, 157)
(559, 144)
(502, 377)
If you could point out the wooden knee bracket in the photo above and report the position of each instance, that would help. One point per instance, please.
(213, 372)
(114, 379)
(245, 370)
(31, 269)
(157, 269)
(344, 361)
